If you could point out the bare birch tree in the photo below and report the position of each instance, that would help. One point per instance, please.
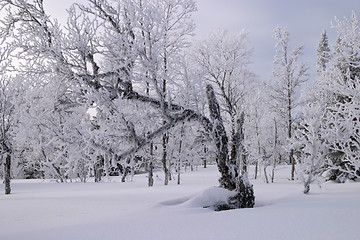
(289, 75)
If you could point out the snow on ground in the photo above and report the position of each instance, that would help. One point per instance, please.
(113, 210)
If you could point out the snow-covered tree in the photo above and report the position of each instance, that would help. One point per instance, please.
(7, 122)
(323, 53)
(164, 27)
(52, 130)
(224, 60)
(262, 141)
(342, 95)
(289, 75)
(99, 59)
(7, 108)
(329, 130)
(309, 145)
(232, 177)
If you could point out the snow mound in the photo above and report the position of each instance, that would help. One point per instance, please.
(210, 197)
(175, 202)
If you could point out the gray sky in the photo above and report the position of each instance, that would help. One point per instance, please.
(305, 20)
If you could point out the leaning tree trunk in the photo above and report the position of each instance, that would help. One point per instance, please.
(227, 180)
(7, 171)
(238, 151)
(230, 178)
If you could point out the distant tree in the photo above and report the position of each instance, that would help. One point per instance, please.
(262, 141)
(323, 53)
(289, 75)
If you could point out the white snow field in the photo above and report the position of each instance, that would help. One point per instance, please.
(113, 210)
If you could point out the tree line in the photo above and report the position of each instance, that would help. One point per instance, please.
(122, 87)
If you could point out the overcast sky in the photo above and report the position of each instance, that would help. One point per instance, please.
(305, 20)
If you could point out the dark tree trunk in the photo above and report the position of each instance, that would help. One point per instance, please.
(164, 158)
(273, 174)
(204, 160)
(98, 168)
(180, 157)
(265, 174)
(178, 175)
(97, 172)
(234, 143)
(245, 197)
(151, 166)
(170, 174)
(241, 148)
(125, 173)
(150, 175)
(292, 160)
(58, 172)
(306, 187)
(256, 169)
(7, 173)
(230, 177)
(165, 139)
(244, 167)
(275, 152)
(259, 150)
(291, 154)
(227, 180)
(237, 149)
